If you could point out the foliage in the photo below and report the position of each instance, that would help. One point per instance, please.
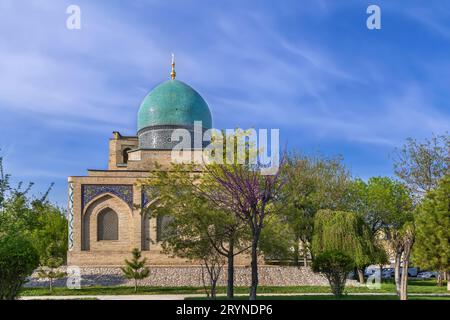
(136, 269)
(34, 218)
(391, 213)
(345, 232)
(381, 203)
(4, 183)
(50, 237)
(222, 202)
(243, 190)
(335, 266)
(276, 240)
(432, 220)
(420, 165)
(49, 270)
(193, 221)
(18, 259)
(312, 183)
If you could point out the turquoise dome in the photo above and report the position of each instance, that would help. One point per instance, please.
(173, 103)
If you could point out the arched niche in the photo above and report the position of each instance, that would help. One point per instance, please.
(107, 209)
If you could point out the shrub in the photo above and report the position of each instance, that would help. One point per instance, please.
(18, 259)
(335, 266)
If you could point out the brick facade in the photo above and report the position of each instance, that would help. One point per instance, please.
(116, 188)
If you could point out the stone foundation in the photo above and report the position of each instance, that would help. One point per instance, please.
(174, 276)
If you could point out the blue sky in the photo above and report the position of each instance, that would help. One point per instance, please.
(310, 68)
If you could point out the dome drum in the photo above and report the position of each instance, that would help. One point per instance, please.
(160, 137)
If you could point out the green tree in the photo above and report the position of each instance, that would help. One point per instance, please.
(193, 219)
(391, 206)
(335, 266)
(277, 241)
(49, 270)
(18, 259)
(367, 200)
(27, 221)
(432, 221)
(312, 183)
(36, 218)
(50, 237)
(249, 195)
(136, 269)
(345, 232)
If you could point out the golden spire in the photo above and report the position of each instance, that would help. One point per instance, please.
(173, 74)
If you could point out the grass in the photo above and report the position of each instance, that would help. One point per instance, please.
(415, 286)
(322, 297)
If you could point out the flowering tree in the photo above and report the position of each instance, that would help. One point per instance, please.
(249, 195)
(194, 229)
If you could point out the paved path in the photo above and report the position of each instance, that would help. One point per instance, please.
(183, 296)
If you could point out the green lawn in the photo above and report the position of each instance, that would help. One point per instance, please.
(415, 286)
(321, 297)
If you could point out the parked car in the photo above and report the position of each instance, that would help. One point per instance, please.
(427, 275)
(412, 272)
(388, 273)
(370, 270)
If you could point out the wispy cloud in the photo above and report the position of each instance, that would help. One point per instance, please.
(310, 68)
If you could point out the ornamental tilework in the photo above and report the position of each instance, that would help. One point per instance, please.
(146, 191)
(71, 216)
(91, 191)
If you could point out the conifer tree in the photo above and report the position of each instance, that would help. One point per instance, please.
(136, 269)
(50, 270)
(432, 220)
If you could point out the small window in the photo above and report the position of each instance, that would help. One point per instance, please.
(107, 225)
(125, 155)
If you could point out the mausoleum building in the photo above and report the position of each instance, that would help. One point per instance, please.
(105, 221)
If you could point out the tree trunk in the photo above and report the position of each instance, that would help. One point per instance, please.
(398, 257)
(230, 280)
(440, 281)
(404, 280)
(406, 254)
(305, 257)
(135, 286)
(254, 285)
(204, 282)
(213, 289)
(361, 276)
(305, 253)
(51, 285)
(448, 281)
(296, 253)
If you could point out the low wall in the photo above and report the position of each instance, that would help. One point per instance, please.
(173, 276)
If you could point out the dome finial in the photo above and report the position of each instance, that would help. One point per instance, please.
(173, 74)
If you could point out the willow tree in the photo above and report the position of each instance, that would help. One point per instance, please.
(341, 240)
(345, 232)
